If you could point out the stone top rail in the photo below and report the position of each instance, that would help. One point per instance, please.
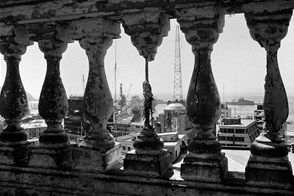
(35, 11)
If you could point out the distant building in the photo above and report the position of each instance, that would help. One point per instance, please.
(126, 142)
(174, 143)
(225, 111)
(289, 135)
(2, 123)
(234, 133)
(33, 105)
(174, 118)
(259, 116)
(35, 128)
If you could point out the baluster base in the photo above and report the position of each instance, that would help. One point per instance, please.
(14, 154)
(53, 139)
(91, 159)
(13, 136)
(150, 164)
(14, 146)
(44, 157)
(204, 167)
(100, 141)
(268, 165)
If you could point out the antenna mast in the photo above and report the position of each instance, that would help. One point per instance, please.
(115, 98)
(178, 90)
(83, 83)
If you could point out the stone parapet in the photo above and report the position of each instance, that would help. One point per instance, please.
(94, 166)
(45, 181)
(153, 165)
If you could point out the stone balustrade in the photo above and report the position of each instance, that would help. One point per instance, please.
(94, 165)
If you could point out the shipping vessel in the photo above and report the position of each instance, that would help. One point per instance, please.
(241, 101)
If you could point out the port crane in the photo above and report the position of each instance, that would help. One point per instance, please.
(178, 89)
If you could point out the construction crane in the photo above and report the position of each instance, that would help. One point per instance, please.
(178, 90)
(122, 101)
(128, 94)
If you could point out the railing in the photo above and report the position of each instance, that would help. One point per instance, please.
(58, 167)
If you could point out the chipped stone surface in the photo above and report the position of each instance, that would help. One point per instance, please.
(13, 100)
(146, 22)
(41, 181)
(94, 28)
(268, 152)
(212, 169)
(53, 104)
(147, 29)
(204, 161)
(98, 101)
(267, 172)
(267, 6)
(203, 101)
(94, 161)
(156, 165)
(269, 36)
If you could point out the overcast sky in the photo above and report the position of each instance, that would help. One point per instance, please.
(238, 64)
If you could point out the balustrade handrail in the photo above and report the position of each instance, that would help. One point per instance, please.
(95, 23)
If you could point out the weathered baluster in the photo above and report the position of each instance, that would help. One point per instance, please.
(13, 99)
(53, 99)
(102, 152)
(268, 164)
(98, 102)
(147, 29)
(204, 162)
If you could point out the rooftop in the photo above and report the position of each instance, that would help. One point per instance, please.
(244, 123)
(175, 107)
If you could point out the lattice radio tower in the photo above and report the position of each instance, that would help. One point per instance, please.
(178, 90)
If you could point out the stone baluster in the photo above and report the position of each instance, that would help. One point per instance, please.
(98, 102)
(95, 37)
(268, 164)
(204, 162)
(147, 29)
(53, 104)
(13, 99)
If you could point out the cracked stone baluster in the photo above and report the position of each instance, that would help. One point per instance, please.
(13, 100)
(53, 104)
(147, 29)
(98, 102)
(268, 164)
(204, 162)
(98, 151)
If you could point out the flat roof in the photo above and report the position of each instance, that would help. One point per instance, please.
(244, 123)
(168, 133)
(175, 107)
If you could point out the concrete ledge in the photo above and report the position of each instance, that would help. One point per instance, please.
(151, 165)
(75, 158)
(269, 173)
(40, 181)
(92, 160)
(204, 169)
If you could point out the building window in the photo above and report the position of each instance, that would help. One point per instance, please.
(239, 139)
(240, 131)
